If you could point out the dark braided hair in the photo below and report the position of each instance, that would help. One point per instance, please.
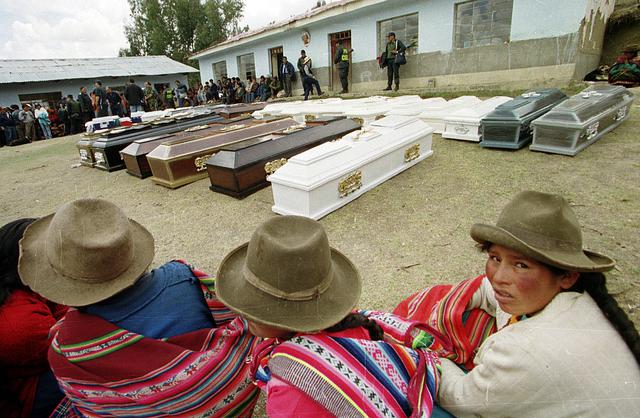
(355, 320)
(595, 284)
(10, 235)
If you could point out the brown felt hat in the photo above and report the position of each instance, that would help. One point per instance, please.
(289, 277)
(631, 48)
(543, 227)
(84, 253)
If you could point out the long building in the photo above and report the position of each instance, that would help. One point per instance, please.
(454, 43)
(46, 81)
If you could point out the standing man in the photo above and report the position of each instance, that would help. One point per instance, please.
(286, 75)
(134, 95)
(167, 95)
(42, 116)
(181, 92)
(308, 79)
(150, 97)
(86, 106)
(115, 102)
(303, 56)
(28, 120)
(342, 63)
(100, 103)
(75, 115)
(394, 47)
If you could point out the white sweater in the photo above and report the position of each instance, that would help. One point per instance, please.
(565, 361)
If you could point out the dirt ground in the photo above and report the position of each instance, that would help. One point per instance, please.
(408, 233)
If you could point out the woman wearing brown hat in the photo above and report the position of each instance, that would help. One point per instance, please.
(563, 346)
(319, 359)
(139, 342)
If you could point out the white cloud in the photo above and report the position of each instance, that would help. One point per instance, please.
(85, 29)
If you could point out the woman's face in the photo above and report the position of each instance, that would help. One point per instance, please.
(523, 285)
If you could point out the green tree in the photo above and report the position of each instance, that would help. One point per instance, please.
(177, 28)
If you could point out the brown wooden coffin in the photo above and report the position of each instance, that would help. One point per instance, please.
(240, 109)
(178, 162)
(135, 154)
(312, 121)
(241, 169)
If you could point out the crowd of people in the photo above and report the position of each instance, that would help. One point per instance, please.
(87, 329)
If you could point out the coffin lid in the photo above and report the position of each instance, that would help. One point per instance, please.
(332, 160)
(413, 109)
(478, 110)
(145, 146)
(170, 149)
(443, 109)
(243, 108)
(249, 152)
(585, 105)
(530, 104)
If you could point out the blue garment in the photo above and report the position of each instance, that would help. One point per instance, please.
(164, 303)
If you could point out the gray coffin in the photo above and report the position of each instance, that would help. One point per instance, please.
(580, 121)
(509, 125)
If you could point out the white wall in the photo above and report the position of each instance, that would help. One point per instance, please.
(9, 92)
(531, 19)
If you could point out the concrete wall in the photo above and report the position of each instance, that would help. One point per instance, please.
(9, 92)
(551, 37)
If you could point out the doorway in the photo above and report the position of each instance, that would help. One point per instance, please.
(275, 60)
(345, 37)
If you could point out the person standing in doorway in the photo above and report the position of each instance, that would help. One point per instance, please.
(286, 75)
(100, 103)
(341, 60)
(394, 47)
(134, 95)
(43, 120)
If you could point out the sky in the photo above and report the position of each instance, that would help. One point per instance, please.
(95, 28)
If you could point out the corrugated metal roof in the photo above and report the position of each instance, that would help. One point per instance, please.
(273, 26)
(22, 71)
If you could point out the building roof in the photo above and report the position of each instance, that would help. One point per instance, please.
(23, 71)
(315, 14)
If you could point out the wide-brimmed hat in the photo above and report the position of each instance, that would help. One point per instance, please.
(287, 276)
(631, 48)
(84, 253)
(543, 227)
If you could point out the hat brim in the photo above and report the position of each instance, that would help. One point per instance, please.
(584, 262)
(36, 272)
(326, 310)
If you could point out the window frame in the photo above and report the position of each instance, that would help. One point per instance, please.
(455, 36)
(243, 76)
(219, 76)
(382, 36)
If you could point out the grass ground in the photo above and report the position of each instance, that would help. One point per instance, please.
(408, 233)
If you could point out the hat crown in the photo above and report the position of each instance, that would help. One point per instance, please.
(78, 246)
(289, 257)
(542, 220)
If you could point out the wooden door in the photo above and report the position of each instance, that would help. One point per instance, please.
(345, 37)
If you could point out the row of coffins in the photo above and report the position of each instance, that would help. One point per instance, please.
(318, 161)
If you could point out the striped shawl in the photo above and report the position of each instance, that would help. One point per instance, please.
(444, 307)
(108, 371)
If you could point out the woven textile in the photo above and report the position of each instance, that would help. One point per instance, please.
(444, 307)
(352, 377)
(108, 371)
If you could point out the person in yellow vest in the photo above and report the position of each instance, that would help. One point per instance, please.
(341, 60)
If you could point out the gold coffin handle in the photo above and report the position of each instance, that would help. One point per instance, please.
(350, 184)
(272, 166)
(201, 162)
(412, 153)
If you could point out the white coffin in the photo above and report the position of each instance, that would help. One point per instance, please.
(435, 116)
(464, 124)
(327, 177)
(368, 114)
(414, 109)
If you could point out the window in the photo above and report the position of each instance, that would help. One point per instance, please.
(246, 66)
(45, 99)
(405, 28)
(482, 22)
(219, 69)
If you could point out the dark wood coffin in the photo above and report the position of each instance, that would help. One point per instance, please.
(241, 109)
(312, 121)
(135, 154)
(240, 169)
(178, 162)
